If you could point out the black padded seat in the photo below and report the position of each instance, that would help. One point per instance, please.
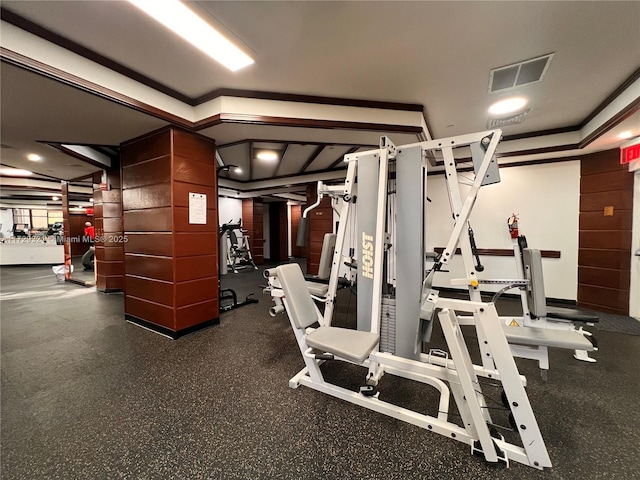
(571, 315)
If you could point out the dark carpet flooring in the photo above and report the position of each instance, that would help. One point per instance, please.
(86, 395)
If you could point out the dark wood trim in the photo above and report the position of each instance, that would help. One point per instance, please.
(264, 120)
(310, 160)
(621, 88)
(295, 142)
(540, 133)
(503, 252)
(20, 61)
(284, 152)
(622, 115)
(89, 54)
(78, 156)
(291, 97)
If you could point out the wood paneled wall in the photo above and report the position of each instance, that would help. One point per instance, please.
(296, 213)
(171, 266)
(320, 222)
(604, 256)
(283, 247)
(109, 227)
(252, 222)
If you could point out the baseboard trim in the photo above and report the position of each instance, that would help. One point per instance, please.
(167, 332)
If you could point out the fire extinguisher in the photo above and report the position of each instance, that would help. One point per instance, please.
(512, 223)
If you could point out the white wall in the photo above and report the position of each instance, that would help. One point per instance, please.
(546, 198)
(230, 210)
(6, 219)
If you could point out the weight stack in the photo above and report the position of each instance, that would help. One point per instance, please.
(388, 325)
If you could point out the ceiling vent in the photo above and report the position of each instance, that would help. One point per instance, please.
(506, 121)
(519, 74)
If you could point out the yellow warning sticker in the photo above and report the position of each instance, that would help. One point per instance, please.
(514, 323)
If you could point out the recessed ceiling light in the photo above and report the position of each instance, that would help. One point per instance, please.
(34, 157)
(237, 170)
(507, 105)
(267, 155)
(181, 20)
(15, 172)
(55, 198)
(625, 135)
(91, 200)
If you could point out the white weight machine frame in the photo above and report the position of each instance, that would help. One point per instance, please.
(433, 369)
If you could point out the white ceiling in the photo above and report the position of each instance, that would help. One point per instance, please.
(435, 54)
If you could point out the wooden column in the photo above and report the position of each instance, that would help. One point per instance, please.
(320, 222)
(606, 211)
(109, 227)
(171, 266)
(66, 228)
(252, 221)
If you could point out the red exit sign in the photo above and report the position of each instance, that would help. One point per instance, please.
(629, 154)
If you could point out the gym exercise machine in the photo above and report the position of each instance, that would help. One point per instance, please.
(391, 328)
(235, 248)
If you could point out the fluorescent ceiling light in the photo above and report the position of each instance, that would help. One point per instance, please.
(34, 157)
(625, 135)
(180, 19)
(507, 105)
(15, 172)
(267, 155)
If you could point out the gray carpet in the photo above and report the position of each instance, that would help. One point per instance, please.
(86, 395)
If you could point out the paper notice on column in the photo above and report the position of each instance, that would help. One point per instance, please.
(197, 208)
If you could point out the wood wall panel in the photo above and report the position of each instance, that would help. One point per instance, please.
(595, 202)
(621, 220)
(109, 228)
(156, 171)
(190, 171)
(181, 192)
(164, 250)
(147, 147)
(252, 221)
(158, 244)
(193, 268)
(150, 289)
(181, 222)
(152, 196)
(150, 220)
(110, 269)
(152, 312)
(283, 252)
(604, 254)
(604, 277)
(195, 244)
(607, 239)
(296, 214)
(190, 315)
(604, 182)
(196, 291)
(159, 268)
(320, 222)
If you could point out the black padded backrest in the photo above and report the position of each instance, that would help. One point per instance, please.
(302, 310)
